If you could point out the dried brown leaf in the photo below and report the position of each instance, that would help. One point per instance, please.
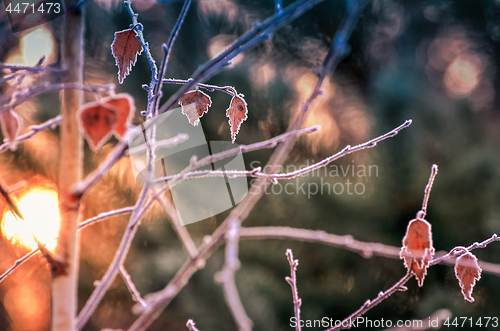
(467, 271)
(125, 48)
(194, 105)
(97, 122)
(417, 250)
(124, 106)
(237, 113)
(12, 124)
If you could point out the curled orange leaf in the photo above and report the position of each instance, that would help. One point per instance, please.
(467, 271)
(417, 250)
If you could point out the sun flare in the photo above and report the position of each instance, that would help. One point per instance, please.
(39, 206)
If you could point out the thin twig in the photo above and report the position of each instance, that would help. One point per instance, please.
(117, 153)
(145, 46)
(292, 281)
(102, 216)
(136, 296)
(421, 214)
(270, 143)
(33, 130)
(15, 67)
(167, 49)
(365, 249)
(226, 89)
(26, 94)
(181, 231)
(114, 267)
(226, 277)
(18, 263)
(351, 320)
(191, 326)
(290, 175)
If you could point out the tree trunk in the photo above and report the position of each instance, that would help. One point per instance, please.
(65, 272)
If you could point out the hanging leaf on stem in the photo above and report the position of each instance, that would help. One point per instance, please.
(467, 271)
(417, 250)
(125, 48)
(237, 113)
(124, 106)
(97, 122)
(194, 105)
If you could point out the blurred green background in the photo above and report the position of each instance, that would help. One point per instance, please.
(434, 62)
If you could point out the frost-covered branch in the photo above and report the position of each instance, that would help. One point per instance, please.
(167, 49)
(226, 278)
(18, 263)
(292, 281)
(226, 89)
(117, 153)
(181, 231)
(421, 214)
(114, 267)
(33, 130)
(131, 286)
(105, 215)
(25, 94)
(191, 326)
(257, 172)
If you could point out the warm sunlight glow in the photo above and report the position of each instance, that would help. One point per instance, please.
(39, 207)
(33, 46)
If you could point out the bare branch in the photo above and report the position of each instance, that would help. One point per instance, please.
(131, 287)
(365, 249)
(292, 281)
(181, 231)
(33, 130)
(459, 250)
(167, 49)
(257, 171)
(369, 304)
(114, 267)
(18, 263)
(421, 214)
(226, 89)
(226, 277)
(119, 151)
(26, 94)
(102, 216)
(15, 67)
(191, 326)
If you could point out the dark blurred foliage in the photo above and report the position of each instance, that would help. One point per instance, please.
(432, 61)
